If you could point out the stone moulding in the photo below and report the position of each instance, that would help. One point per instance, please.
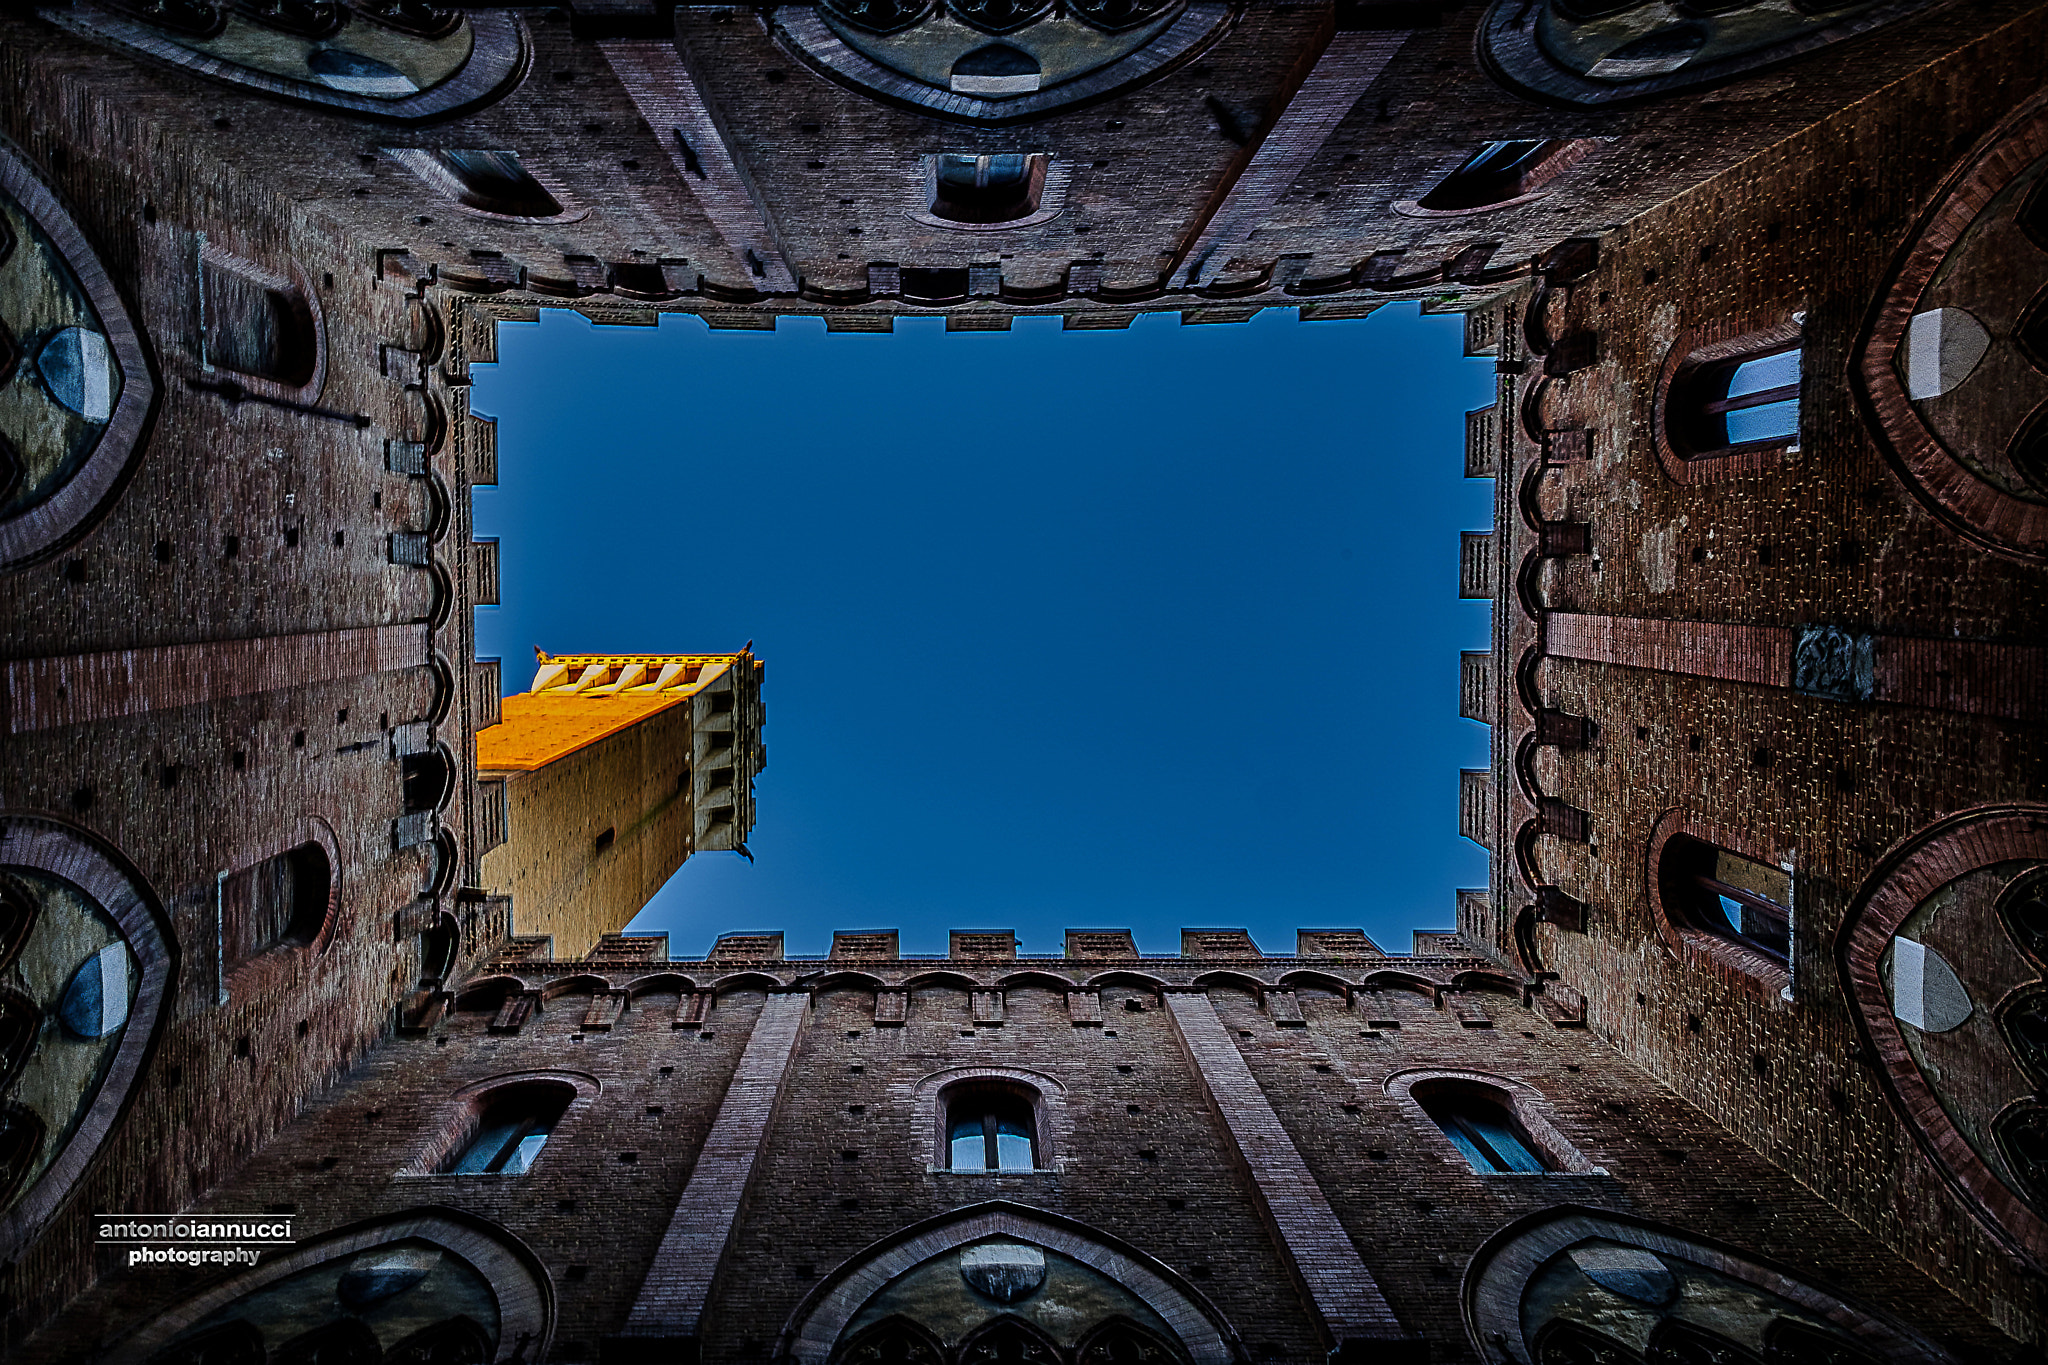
(1975, 509)
(61, 851)
(526, 1300)
(1912, 871)
(1500, 1271)
(69, 512)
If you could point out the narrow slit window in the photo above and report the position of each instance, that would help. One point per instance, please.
(1483, 1131)
(513, 1130)
(991, 1131)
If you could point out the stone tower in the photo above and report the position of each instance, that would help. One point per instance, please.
(605, 775)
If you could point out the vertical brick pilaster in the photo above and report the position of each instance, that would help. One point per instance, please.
(671, 1301)
(1325, 1262)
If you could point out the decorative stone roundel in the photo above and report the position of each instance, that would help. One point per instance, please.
(1608, 51)
(1953, 370)
(75, 387)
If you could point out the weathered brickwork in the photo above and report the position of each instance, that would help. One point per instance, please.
(1676, 636)
(252, 664)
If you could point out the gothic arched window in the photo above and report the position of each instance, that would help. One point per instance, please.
(78, 388)
(512, 1127)
(402, 60)
(990, 1128)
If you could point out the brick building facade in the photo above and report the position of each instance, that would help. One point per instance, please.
(1738, 1055)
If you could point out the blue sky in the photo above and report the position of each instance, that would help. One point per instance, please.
(1140, 629)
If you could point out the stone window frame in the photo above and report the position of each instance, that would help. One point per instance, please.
(1758, 972)
(430, 171)
(526, 1302)
(1052, 174)
(1052, 1125)
(1725, 339)
(454, 1123)
(1498, 1275)
(1525, 1104)
(1912, 870)
(260, 972)
(44, 845)
(499, 57)
(67, 514)
(289, 277)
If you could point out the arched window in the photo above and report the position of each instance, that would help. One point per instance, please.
(1728, 895)
(990, 1128)
(1502, 173)
(1745, 401)
(987, 189)
(256, 322)
(280, 902)
(488, 181)
(1481, 1127)
(511, 1130)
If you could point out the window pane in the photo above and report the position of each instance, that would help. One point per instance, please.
(1770, 372)
(1013, 1145)
(520, 1159)
(1007, 169)
(1475, 1156)
(957, 170)
(969, 1145)
(1731, 910)
(1771, 422)
(496, 1134)
(1773, 884)
(1509, 1150)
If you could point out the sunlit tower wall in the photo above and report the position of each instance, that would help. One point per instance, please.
(605, 775)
